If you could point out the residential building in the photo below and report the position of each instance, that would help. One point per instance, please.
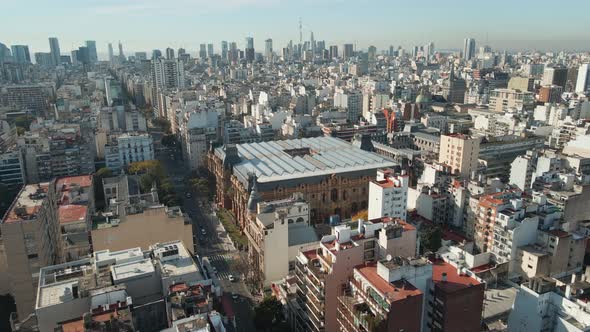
(487, 214)
(12, 169)
(128, 148)
(30, 240)
(388, 195)
(277, 232)
(583, 81)
(522, 170)
(461, 152)
(502, 100)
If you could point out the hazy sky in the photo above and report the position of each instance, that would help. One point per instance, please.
(143, 25)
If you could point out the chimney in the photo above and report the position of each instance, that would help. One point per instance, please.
(361, 222)
(444, 277)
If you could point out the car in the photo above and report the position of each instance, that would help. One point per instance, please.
(203, 231)
(231, 278)
(214, 269)
(234, 296)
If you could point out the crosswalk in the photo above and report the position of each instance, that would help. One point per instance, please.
(222, 264)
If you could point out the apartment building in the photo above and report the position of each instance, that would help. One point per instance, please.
(388, 195)
(12, 169)
(128, 148)
(115, 280)
(501, 100)
(488, 208)
(198, 128)
(460, 152)
(322, 273)
(277, 231)
(31, 239)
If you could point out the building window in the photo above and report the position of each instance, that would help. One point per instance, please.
(334, 195)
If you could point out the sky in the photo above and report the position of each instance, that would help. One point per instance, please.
(143, 25)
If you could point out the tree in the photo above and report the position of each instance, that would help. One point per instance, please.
(162, 123)
(431, 238)
(268, 315)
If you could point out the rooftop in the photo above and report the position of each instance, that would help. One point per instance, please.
(300, 158)
(27, 203)
(455, 281)
(130, 270)
(72, 213)
(66, 183)
(392, 291)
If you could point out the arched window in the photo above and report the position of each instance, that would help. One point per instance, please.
(334, 195)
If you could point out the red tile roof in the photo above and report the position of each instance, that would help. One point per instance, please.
(83, 181)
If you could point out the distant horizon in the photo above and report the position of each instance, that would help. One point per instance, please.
(152, 24)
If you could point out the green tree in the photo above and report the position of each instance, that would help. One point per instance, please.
(430, 238)
(268, 315)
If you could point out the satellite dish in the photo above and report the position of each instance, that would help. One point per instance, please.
(388, 257)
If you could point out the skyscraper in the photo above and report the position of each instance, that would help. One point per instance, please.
(21, 54)
(54, 50)
(268, 49)
(169, 53)
(468, 49)
(249, 49)
(4, 52)
(333, 51)
(92, 54)
(583, 83)
(348, 51)
(210, 51)
(224, 49)
(121, 54)
(111, 54)
(203, 51)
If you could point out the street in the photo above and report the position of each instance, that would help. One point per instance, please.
(212, 244)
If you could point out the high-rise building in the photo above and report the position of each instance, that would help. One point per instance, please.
(156, 54)
(268, 50)
(333, 51)
(54, 50)
(249, 49)
(83, 55)
(92, 54)
(168, 74)
(224, 50)
(468, 48)
(460, 152)
(203, 51)
(348, 51)
(555, 75)
(31, 240)
(210, 51)
(21, 54)
(169, 53)
(4, 53)
(121, 54)
(111, 53)
(43, 59)
(583, 83)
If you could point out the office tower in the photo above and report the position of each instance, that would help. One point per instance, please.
(268, 50)
(428, 50)
(210, 51)
(468, 49)
(391, 50)
(4, 53)
(203, 51)
(583, 83)
(74, 57)
(111, 54)
(224, 50)
(92, 54)
(312, 43)
(233, 54)
(43, 59)
(83, 55)
(372, 54)
(54, 50)
(348, 51)
(181, 51)
(169, 53)
(21, 54)
(460, 152)
(333, 51)
(121, 55)
(249, 49)
(320, 46)
(140, 56)
(156, 54)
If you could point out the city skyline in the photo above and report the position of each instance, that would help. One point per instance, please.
(157, 26)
